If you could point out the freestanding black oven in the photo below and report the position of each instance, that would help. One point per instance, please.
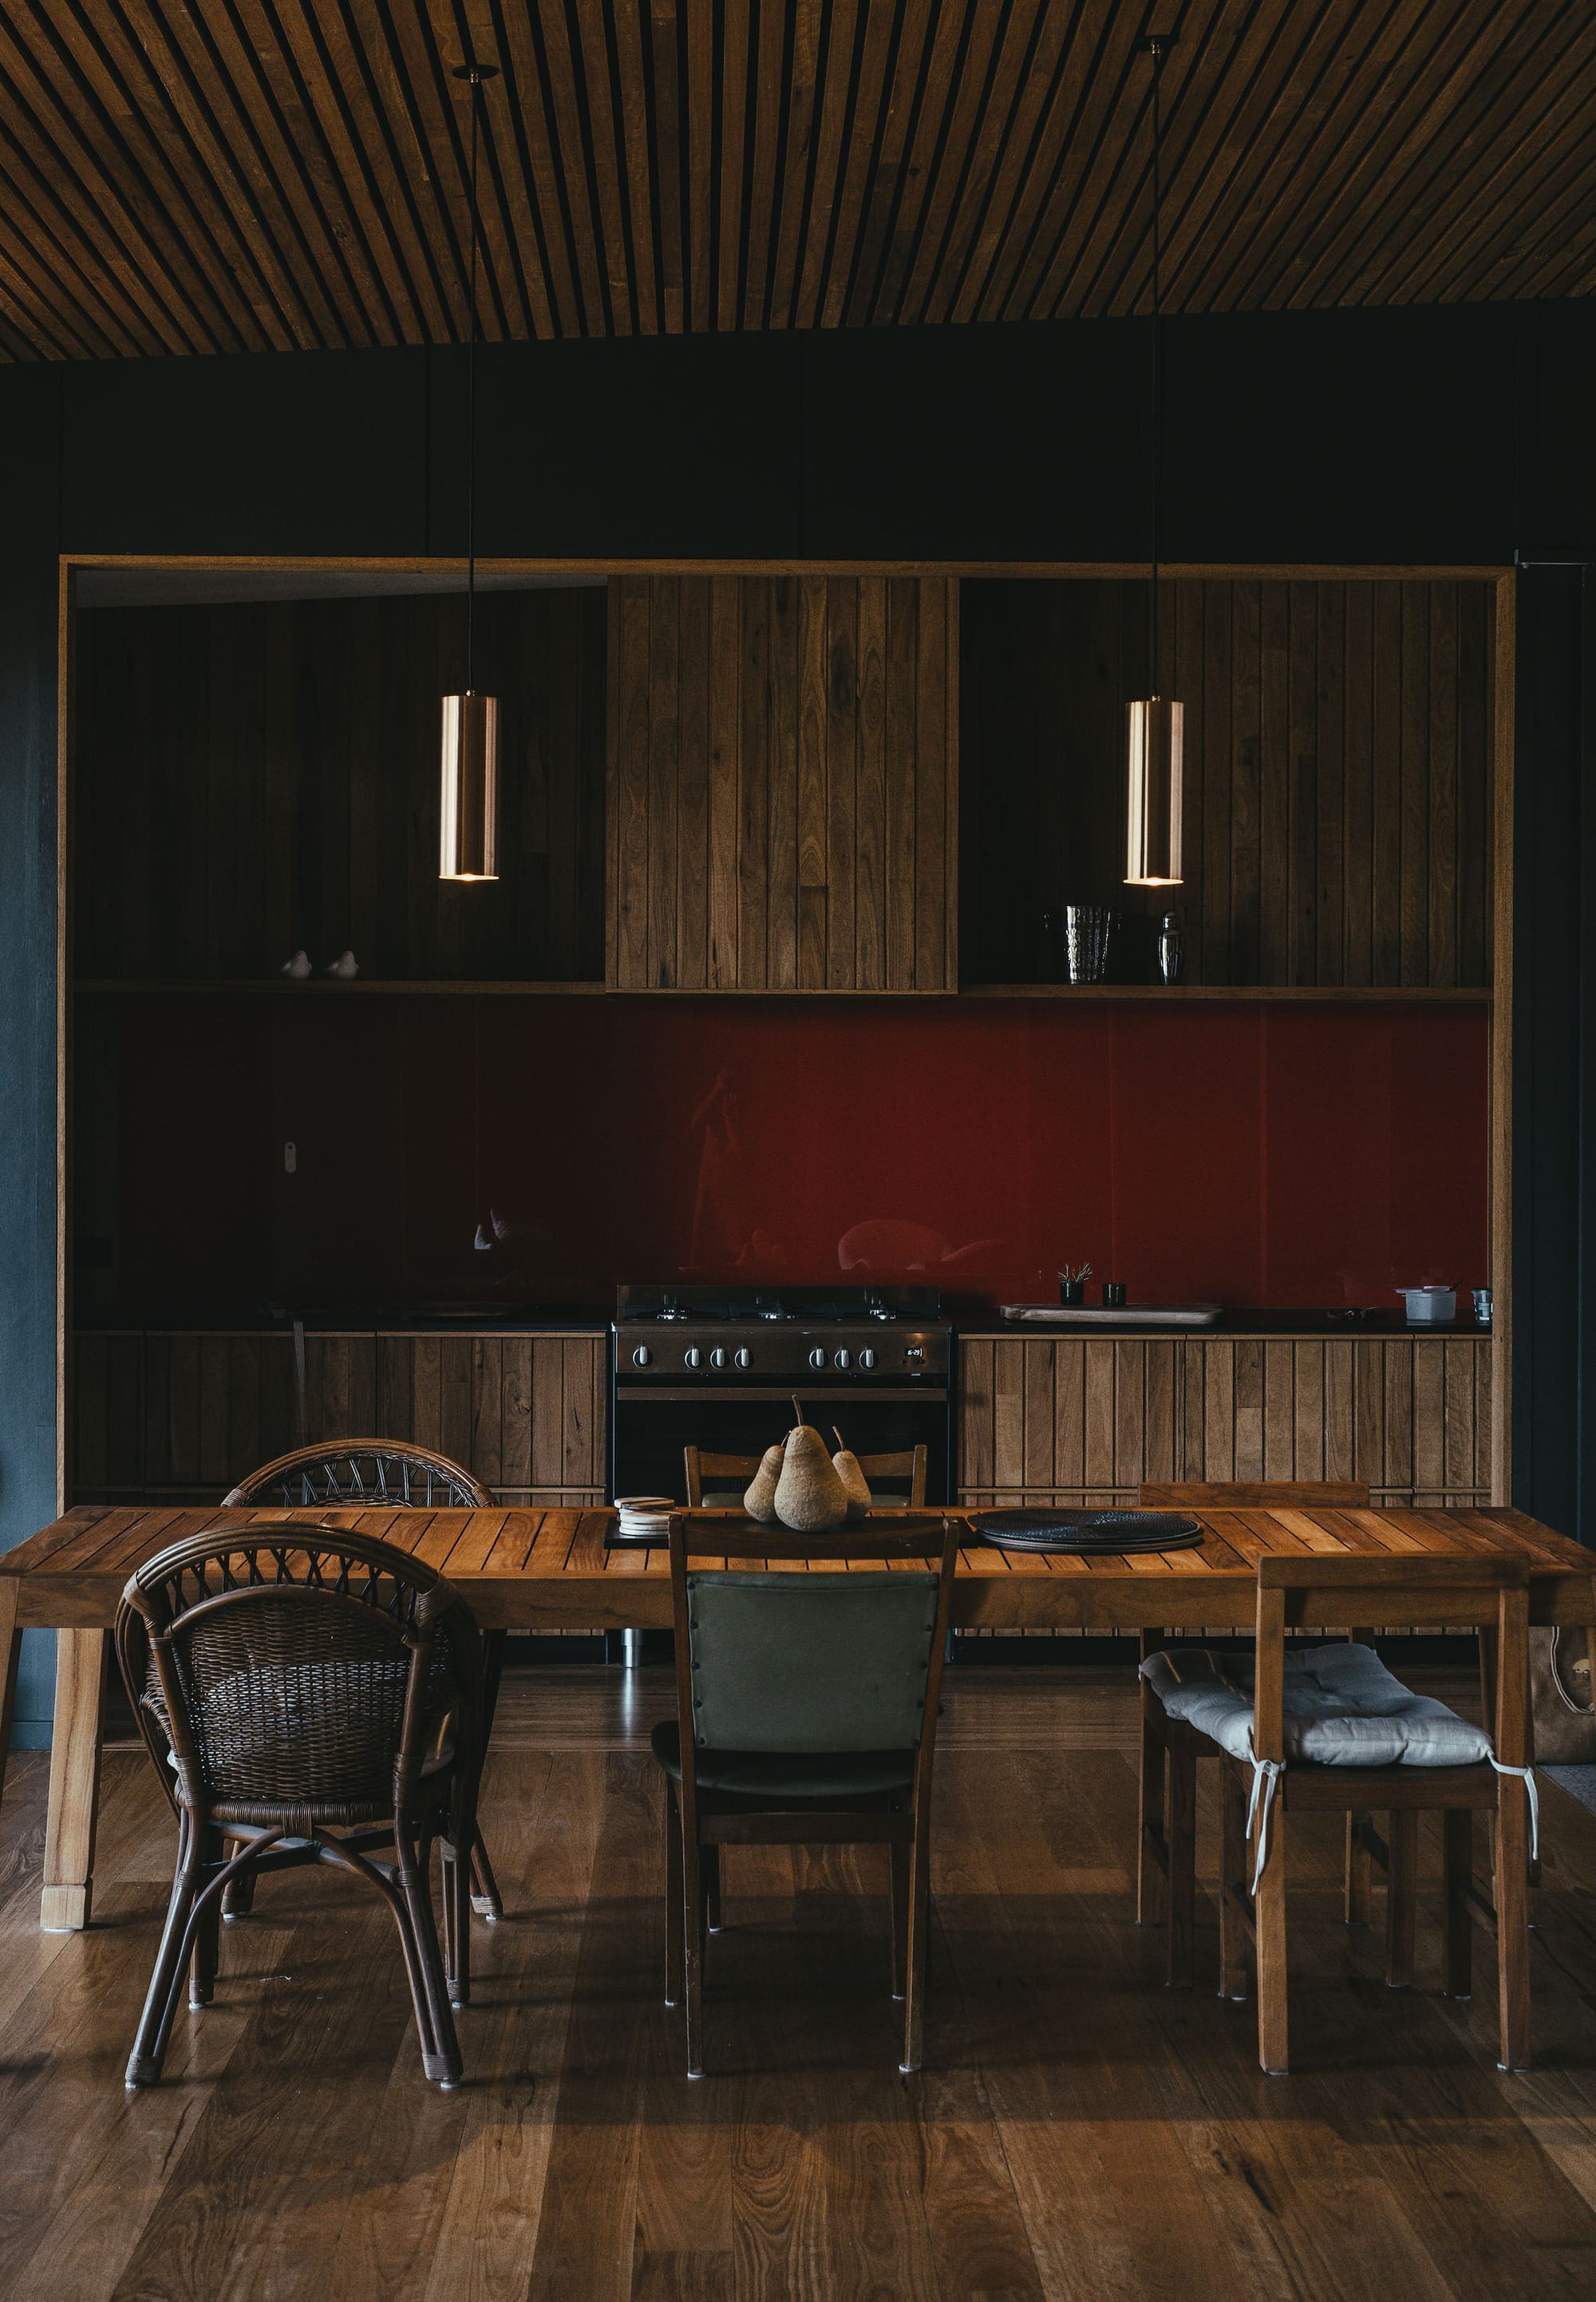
(718, 1368)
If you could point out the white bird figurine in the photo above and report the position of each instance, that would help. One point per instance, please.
(346, 967)
(298, 967)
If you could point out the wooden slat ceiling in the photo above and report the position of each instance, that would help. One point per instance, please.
(226, 175)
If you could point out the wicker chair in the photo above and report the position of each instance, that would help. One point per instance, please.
(358, 1474)
(308, 1702)
(374, 1475)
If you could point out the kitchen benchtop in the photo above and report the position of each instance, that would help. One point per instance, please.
(1308, 1325)
(593, 1318)
(360, 1319)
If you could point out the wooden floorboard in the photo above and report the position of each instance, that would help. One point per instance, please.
(1079, 2131)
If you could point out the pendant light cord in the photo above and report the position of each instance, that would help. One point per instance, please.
(476, 75)
(1156, 47)
(471, 405)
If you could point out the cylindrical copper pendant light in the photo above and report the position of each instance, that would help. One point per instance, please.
(469, 848)
(1155, 726)
(468, 840)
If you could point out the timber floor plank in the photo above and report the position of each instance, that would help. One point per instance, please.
(1079, 2132)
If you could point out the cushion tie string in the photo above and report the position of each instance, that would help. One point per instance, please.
(1528, 1777)
(1266, 1776)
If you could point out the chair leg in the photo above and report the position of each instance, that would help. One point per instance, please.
(1232, 1880)
(238, 1898)
(486, 1900)
(1182, 1841)
(456, 1918)
(1457, 1831)
(693, 1950)
(899, 1856)
(1269, 1921)
(1359, 1862)
(424, 1961)
(1401, 1896)
(673, 1895)
(160, 2004)
(207, 1935)
(1512, 1923)
(1149, 1817)
(712, 1918)
(919, 1927)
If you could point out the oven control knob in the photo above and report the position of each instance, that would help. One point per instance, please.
(817, 1357)
(867, 1360)
(642, 1356)
(843, 1361)
(744, 1358)
(717, 1358)
(693, 1356)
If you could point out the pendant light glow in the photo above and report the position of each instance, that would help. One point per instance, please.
(1156, 745)
(1155, 726)
(469, 847)
(468, 835)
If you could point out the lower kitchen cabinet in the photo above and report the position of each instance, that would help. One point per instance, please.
(1074, 1420)
(180, 1416)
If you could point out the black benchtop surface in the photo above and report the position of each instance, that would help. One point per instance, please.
(594, 1317)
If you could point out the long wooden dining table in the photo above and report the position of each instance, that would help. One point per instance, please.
(551, 1570)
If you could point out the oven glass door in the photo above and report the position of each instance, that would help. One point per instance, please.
(650, 1428)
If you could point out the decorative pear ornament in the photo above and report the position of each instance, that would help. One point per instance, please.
(809, 1496)
(845, 1464)
(760, 1500)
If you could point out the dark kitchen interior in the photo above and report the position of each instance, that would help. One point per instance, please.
(810, 1027)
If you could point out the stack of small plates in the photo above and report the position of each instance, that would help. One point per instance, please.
(644, 1518)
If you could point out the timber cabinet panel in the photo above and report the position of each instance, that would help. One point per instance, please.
(255, 777)
(782, 783)
(1078, 1420)
(178, 1416)
(1337, 753)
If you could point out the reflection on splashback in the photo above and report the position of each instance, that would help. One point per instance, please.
(519, 1149)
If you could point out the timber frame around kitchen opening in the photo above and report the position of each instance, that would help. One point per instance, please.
(450, 573)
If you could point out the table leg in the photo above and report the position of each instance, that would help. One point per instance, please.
(74, 1780)
(10, 1651)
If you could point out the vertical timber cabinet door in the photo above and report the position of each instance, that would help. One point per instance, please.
(782, 783)
(1068, 1420)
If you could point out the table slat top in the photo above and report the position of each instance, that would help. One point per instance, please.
(99, 1542)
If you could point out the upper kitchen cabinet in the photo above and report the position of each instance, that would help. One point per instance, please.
(1338, 747)
(783, 765)
(258, 777)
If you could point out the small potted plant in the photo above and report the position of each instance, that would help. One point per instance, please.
(1071, 1284)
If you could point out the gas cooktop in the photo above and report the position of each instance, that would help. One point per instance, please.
(802, 1305)
(766, 1334)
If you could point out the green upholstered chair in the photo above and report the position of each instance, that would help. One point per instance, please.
(807, 1702)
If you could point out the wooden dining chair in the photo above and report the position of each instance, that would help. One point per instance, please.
(306, 1702)
(906, 1470)
(379, 1475)
(1268, 1771)
(1166, 1799)
(806, 1712)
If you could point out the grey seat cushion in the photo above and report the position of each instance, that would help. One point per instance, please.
(779, 1775)
(1342, 1709)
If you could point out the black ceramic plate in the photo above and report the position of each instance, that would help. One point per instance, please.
(1087, 1530)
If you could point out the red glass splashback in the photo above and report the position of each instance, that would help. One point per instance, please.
(1251, 1153)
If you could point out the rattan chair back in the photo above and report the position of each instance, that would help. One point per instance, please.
(362, 1472)
(314, 1676)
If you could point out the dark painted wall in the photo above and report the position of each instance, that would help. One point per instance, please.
(1441, 435)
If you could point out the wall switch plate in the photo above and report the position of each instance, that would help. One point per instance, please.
(290, 1158)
